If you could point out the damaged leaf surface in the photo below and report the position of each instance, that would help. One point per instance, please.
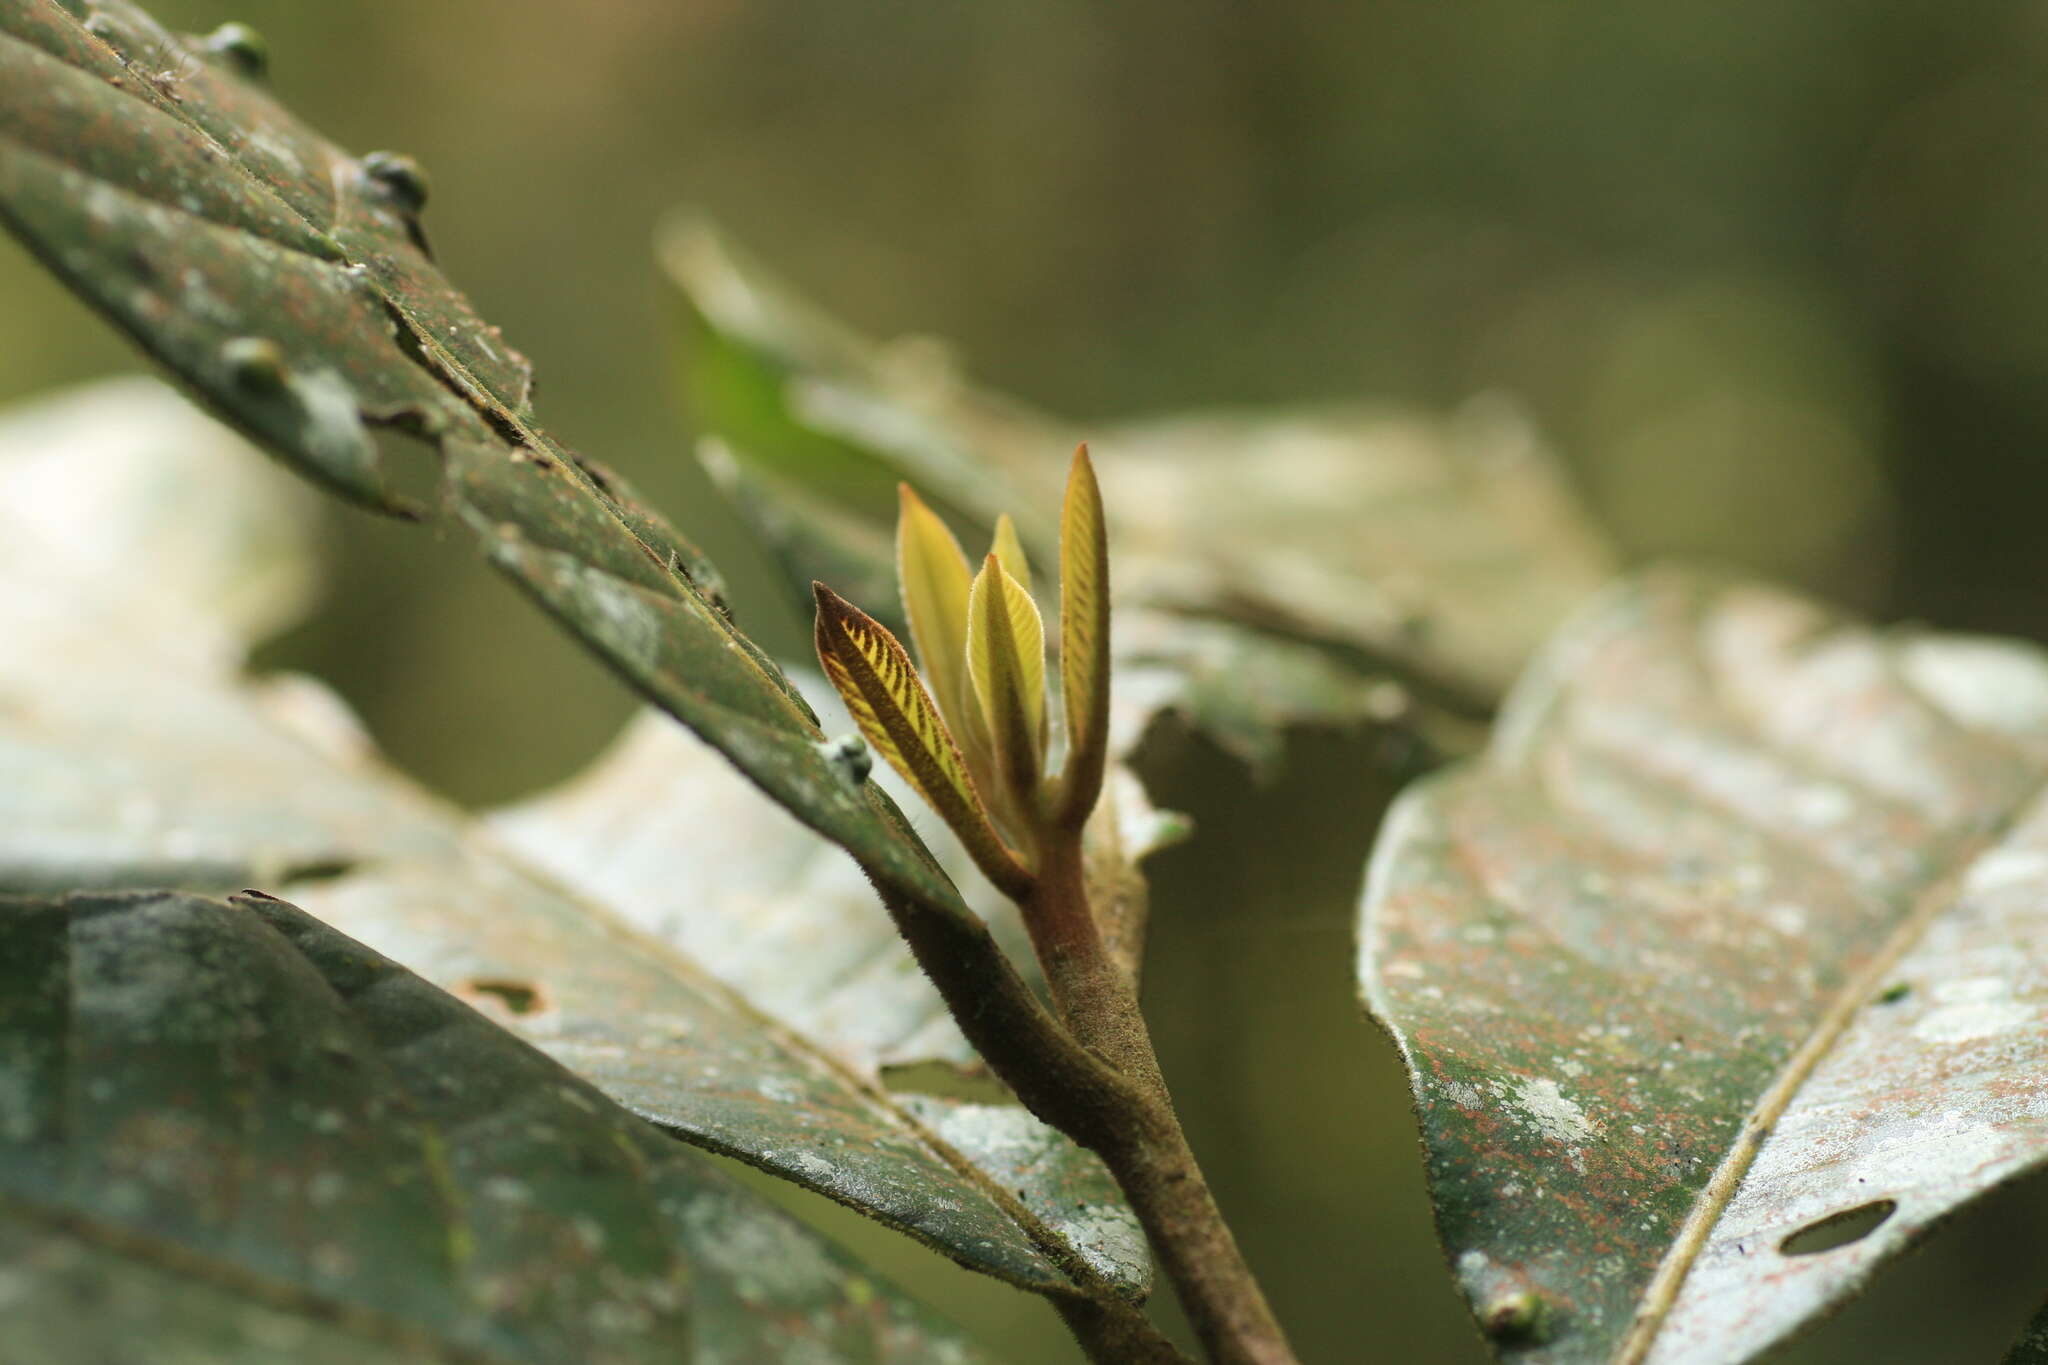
(240, 1133)
(289, 284)
(126, 761)
(1712, 975)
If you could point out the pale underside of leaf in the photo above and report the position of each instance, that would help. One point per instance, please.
(1719, 943)
(793, 927)
(127, 761)
(1006, 661)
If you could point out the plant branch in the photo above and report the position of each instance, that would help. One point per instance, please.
(1114, 1332)
(1092, 1074)
(1144, 1146)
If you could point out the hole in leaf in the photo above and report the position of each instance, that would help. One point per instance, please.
(943, 1080)
(316, 870)
(493, 994)
(1839, 1229)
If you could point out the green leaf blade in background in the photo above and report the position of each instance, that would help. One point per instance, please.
(1714, 945)
(1439, 552)
(288, 285)
(131, 758)
(316, 1147)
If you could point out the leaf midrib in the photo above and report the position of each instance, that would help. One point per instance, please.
(1660, 1295)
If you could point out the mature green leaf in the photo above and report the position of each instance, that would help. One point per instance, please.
(126, 760)
(1441, 550)
(1444, 550)
(1712, 976)
(248, 1130)
(789, 924)
(290, 286)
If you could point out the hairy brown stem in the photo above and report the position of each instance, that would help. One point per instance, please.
(1142, 1143)
(1092, 1074)
(1111, 1331)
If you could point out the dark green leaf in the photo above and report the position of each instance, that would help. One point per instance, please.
(249, 1132)
(290, 286)
(126, 760)
(789, 923)
(1713, 976)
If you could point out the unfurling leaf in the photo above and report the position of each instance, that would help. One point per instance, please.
(870, 670)
(1006, 660)
(1009, 552)
(1084, 638)
(935, 580)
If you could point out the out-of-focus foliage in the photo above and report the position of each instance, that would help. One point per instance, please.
(1437, 550)
(1763, 272)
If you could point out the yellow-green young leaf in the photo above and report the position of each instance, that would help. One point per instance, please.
(1084, 638)
(1006, 660)
(1009, 552)
(870, 670)
(932, 571)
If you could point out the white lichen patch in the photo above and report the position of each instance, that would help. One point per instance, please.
(1110, 1239)
(1974, 1019)
(1463, 1095)
(1818, 806)
(767, 1258)
(1789, 920)
(1994, 683)
(1552, 1113)
(2003, 867)
(1972, 1008)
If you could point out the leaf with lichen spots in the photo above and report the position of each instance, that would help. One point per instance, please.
(289, 286)
(128, 758)
(283, 1137)
(1707, 973)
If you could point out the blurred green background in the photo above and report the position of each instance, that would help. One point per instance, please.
(1771, 276)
